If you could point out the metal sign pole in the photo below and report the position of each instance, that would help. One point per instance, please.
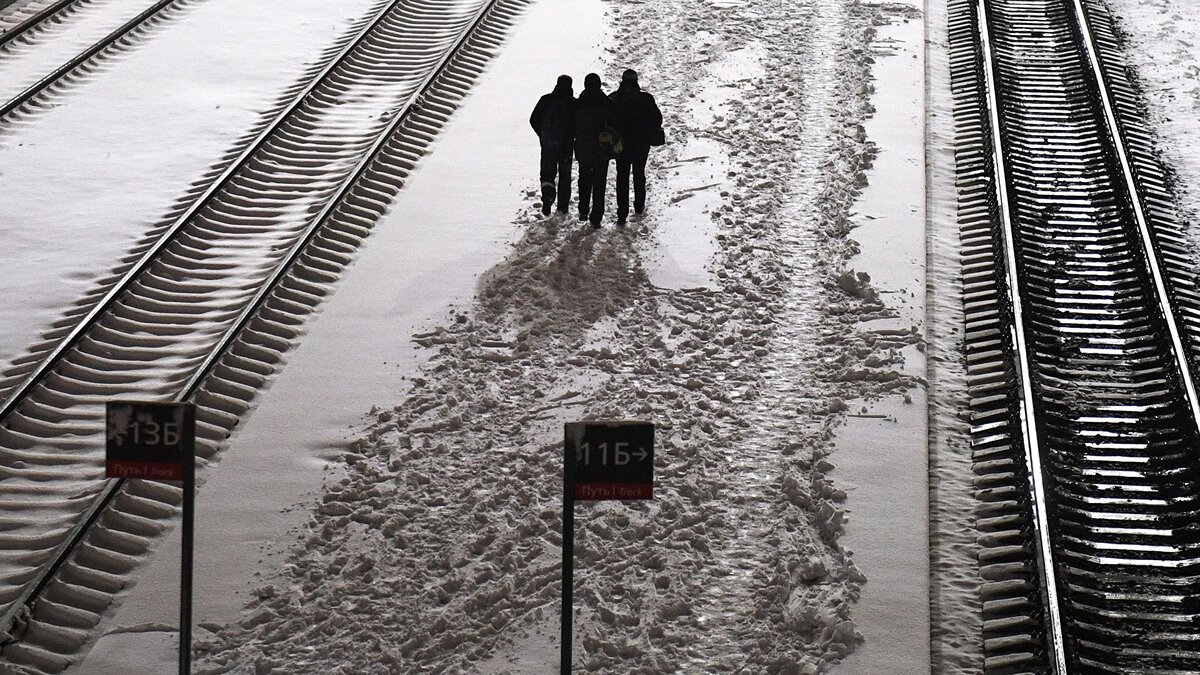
(185, 571)
(602, 460)
(152, 440)
(568, 557)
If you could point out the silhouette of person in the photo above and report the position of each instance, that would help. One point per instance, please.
(553, 120)
(637, 118)
(593, 115)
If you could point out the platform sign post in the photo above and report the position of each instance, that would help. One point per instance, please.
(602, 460)
(157, 441)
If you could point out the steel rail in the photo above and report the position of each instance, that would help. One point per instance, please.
(1028, 419)
(147, 259)
(1135, 199)
(113, 486)
(33, 20)
(104, 42)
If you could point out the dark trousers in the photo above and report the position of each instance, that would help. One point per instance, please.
(556, 167)
(633, 159)
(593, 179)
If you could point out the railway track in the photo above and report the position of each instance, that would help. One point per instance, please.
(209, 310)
(19, 19)
(18, 16)
(48, 22)
(1081, 340)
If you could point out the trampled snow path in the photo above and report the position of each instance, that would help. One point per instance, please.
(757, 510)
(439, 543)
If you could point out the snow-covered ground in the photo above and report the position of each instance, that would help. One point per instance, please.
(956, 631)
(393, 503)
(887, 520)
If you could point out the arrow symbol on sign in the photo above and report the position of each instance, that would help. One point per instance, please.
(640, 454)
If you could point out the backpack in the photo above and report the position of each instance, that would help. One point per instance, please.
(610, 141)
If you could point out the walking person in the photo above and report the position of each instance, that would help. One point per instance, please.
(593, 147)
(639, 122)
(553, 120)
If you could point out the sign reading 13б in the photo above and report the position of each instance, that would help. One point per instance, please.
(610, 460)
(148, 439)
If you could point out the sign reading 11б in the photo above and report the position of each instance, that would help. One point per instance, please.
(611, 460)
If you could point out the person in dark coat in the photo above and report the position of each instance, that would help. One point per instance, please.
(593, 116)
(553, 120)
(637, 116)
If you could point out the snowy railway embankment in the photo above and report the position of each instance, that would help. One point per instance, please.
(440, 530)
(68, 514)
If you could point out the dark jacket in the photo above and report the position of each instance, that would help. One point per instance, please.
(552, 118)
(636, 114)
(593, 112)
